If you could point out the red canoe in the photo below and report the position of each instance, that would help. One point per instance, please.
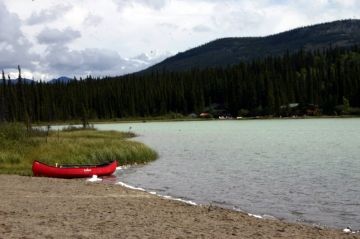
(73, 171)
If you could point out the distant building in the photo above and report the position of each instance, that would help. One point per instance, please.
(298, 109)
(205, 115)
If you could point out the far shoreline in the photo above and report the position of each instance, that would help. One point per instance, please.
(152, 120)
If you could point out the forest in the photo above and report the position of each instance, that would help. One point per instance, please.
(322, 82)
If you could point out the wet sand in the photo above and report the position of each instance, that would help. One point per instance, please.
(55, 208)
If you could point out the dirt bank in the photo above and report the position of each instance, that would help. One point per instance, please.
(55, 208)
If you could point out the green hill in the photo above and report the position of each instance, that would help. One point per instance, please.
(230, 51)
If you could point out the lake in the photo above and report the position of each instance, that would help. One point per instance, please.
(300, 170)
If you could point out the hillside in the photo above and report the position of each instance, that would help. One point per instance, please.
(314, 83)
(229, 51)
(62, 79)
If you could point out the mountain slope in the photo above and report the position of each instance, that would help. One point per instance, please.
(15, 81)
(230, 51)
(62, 79)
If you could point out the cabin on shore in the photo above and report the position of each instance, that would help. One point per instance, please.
(299, 109)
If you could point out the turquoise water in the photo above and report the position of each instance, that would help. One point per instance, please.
(297, 170)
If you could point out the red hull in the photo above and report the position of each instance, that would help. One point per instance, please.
(43, 170)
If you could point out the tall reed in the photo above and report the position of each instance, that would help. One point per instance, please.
(19, 148)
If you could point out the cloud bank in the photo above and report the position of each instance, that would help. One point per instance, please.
(114, 37)
(14, 46)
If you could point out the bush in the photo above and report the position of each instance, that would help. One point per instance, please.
(12, 131)
(19, 148)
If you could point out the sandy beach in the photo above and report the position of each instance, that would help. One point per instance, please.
(54, 208)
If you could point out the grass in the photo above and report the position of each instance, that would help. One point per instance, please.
(19, 148)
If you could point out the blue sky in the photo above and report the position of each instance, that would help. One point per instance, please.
(112, 37)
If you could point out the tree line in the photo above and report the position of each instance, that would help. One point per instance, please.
(327, 79)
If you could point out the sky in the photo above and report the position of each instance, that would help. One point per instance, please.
(49, 39)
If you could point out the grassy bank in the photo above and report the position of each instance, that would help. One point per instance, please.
(19, 148)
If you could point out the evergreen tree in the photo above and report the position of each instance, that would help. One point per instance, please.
(261, 87)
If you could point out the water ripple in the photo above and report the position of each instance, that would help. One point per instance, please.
(299, 170)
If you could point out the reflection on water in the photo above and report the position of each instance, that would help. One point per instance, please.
(299, 170)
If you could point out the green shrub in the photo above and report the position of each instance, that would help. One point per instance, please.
(12, 131)
(18, 149)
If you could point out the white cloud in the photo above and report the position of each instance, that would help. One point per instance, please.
(168, 25)
(14, 46)
(155, 4)
(92, 20)
(48, 15)
(201, 28)
(62, 59)
(55, 36)
(144, 60)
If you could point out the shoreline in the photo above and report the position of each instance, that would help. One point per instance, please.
(258, 216)
(151, 120)
(56, 208)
